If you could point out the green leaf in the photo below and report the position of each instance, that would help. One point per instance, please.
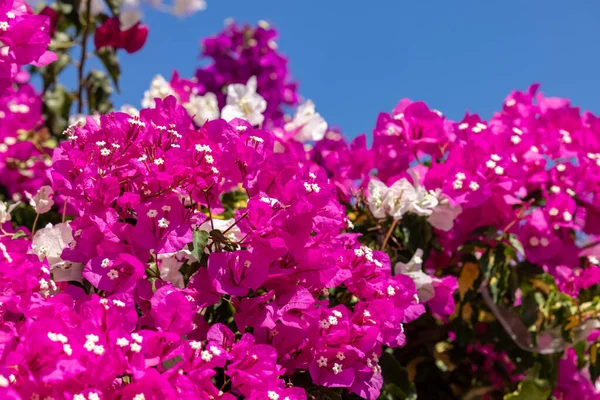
(171, 362)
(393, 392)
(199, 243)
(152, 281)
(98, 92)
(529, 309)
(485, 263)
(64, 8)
(531, 389)
(223, 312)
(69, 10)
(57, 103)
(109, 58)
(217, 236)
(18, 234)
(152, 271)
(594, 364)
(115, 6)
(61, 40)
(514, 241)
(395, 374)
(57, 100)
(329, 394)
(580, 350)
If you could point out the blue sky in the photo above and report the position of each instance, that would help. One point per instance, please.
(357, 58)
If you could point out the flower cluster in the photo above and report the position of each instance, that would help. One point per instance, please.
(24, 39)
(530, 172)
(130, 298)
(247, 77)
(573, 382)
(24, 156)
(239, 53)
(526, 181)
(211, 246)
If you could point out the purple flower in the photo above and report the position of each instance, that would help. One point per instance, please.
(171, 310)
(114, 273)
(236, 273)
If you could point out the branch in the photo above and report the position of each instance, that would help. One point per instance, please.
(80, 71)
(389, 233)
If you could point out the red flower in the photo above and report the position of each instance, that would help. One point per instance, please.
(110, 34)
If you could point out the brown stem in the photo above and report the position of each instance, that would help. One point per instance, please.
(242, 240)
(37, 216)
(591, 244)
(4, 233)
(64, 210)
(80, 70)
(235, 222)
(212, 224)
(225, 383)
(389, 233)
(478, 392)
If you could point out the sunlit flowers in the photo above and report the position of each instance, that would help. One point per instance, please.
(243, 102)
(307, 125)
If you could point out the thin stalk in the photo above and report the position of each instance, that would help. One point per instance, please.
(64, 210)
(84, 40)
(389, 233)
(37, 216)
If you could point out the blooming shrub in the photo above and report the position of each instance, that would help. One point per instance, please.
(211, 246)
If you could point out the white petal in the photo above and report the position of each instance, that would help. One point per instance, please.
(251, 84)
(129, 18)
(236, 92)
(231, 112)
(65, 273)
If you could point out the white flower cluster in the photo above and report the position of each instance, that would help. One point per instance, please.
(423, 282)
(402, 197)
(307, 125)
(200, 108)
(244, 102)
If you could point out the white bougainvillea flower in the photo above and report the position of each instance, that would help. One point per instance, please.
(49, 242)
(6, 210)
(97, 6)
(394, 201)
(43, 200)
(244, 102)
(377, 193)
(68, 271)
(129, 109)
(170, 264)
(159, 88)
(402, 197)
(444, 213)
(234, 234)
(307, 124)
(425, 201)
(81, 119)
(203, 108)
(187, 7)
(414, 269)
(131, 10)
(129, 18)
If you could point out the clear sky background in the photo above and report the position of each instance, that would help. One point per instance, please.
(358, 58)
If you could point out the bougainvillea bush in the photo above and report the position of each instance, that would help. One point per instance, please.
(224, 241)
